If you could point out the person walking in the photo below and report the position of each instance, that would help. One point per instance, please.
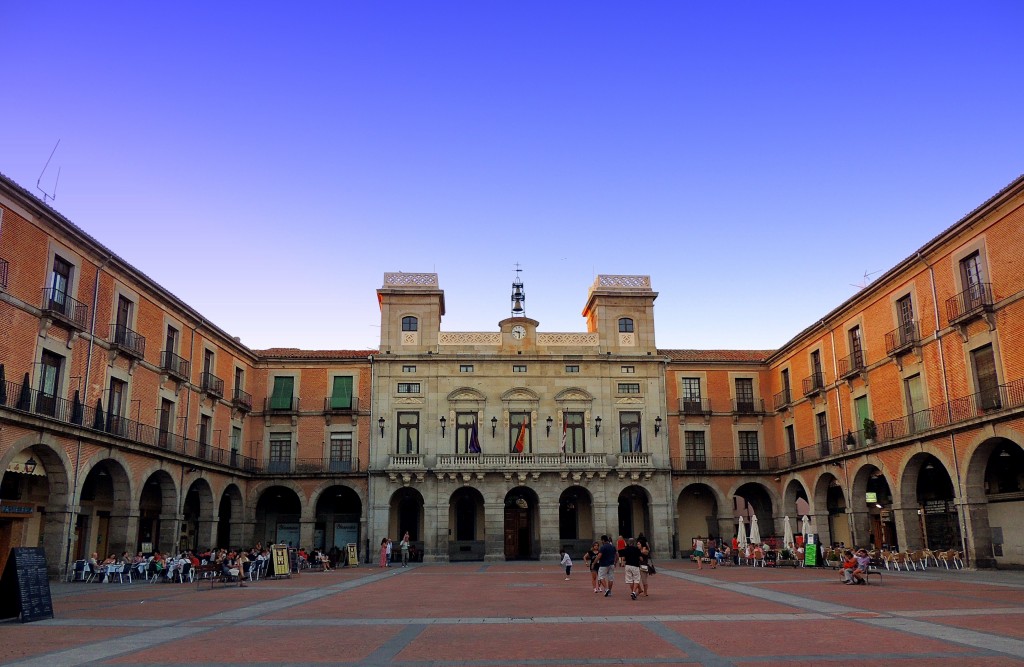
(384, 552)
(387, 560)
(592, 559)
(645, 565)
(567, 564)
(698, 551)
(606, 565)
(404, 546)
(631, 559)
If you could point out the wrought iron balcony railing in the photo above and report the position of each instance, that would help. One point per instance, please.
(278, 405)
(177, 366)
(814, 384)
(970, 303)
(782, 400)
(722, 463)
(130, 342)
(748, 406)
(63, 308)
(851, 365)
(242, 400)
(213, 385)
(902, 339)
(334, 405)
(694, 406)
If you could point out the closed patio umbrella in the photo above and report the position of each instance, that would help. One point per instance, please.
(755, 532)
(805, 526)
(741, 535)
(787, 533)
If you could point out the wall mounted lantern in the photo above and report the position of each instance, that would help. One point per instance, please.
(380, 423)
(444, 422)
(597, 426)
(549, 422)
(494, 426)
(657, 425)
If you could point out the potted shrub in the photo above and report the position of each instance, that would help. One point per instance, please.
(870, 431)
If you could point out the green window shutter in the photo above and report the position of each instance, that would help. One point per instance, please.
(341, 397)
(282, 396)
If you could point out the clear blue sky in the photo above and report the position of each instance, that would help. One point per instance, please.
(269, 162)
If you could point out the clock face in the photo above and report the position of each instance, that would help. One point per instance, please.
(518, 332)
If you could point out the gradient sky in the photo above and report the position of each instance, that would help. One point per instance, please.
(269, 162)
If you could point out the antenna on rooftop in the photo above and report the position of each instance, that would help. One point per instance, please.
(865, 280)
(47, 195)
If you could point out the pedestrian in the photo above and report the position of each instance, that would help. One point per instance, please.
(698, 551)
(387, 560)
(606, 565)
(404, 546)
(567, 563)
(645, 565)
(631, 558)
(383, 552)
(592, 559)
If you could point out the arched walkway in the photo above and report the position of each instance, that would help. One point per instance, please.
(338, 513)
(278, 513)
(229, 519)
(697, 509)
(927, 491)
(871, 506)
(158, 514)
(36, 476)
(634, 512)
(197, 517)
(522, 524)
(575, 520)
(468, 530)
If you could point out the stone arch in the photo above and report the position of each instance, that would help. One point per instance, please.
(257, 490)
(406, 515)
(520, 394)
(698, 510)
(467, 520)
(796, 501)
(871, 502)
(830, 505)
(522, 524)
(107, 512)
(756, 499)
(158, 512)
(928, 497)
(47, 486)
(338, 513)
(197, 510)
(575, 519)
(467, 394)
(278, 513)
(230, 518)
(994, 502)
(634, 513)
(574, 394)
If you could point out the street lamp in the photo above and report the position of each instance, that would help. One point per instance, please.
(443, 423)
(657, 425)
(549, 422)
(597, 426)
(494, 426)
(380, 423)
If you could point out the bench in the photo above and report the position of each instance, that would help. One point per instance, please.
(873, 571)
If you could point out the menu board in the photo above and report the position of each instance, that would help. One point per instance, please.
(279, 560)
(25, 587)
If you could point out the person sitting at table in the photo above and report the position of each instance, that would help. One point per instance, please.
(759, 555)
(847, 568)
(859, 573)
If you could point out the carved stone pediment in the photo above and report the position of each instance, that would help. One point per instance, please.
(574, 394)
(410, 400)
(629, 401)
(466, 394)
(520, 394)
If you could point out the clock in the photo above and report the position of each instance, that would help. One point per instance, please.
(518, 332)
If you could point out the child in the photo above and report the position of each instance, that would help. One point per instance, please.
(567, 562)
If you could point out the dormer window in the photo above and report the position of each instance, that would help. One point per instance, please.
(410, 323)
(625, 325)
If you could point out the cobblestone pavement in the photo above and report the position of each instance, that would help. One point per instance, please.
(525, 613)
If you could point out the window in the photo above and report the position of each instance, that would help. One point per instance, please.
(236, 439)
(280, 452)
(281, 399)
(572, 368)
(625, 325)
(860, 413)
(750, 457)
(166, 422)
(208, 362)
(519, 368)
(410, 323)
(822, 422)
(575, 433)
(970, 273)
(627, 369)
(856, 349)
(408, 433)
(629, 432)
(49, 383)
(786, 395)
(745, 395)
(691, 396)
(408, 387)
(905, 310)
(171, 344)
(340, 455)
(239, 379)
(115, 406)
(817, 377)
(629, 387)
(60, 282)
(696, 455)
(465, 368)
(914, 391)
(204, 429)
(341, 393)
(791, 442)
(124, 313)
(986, 379)
(520, 434)
(465, 428)
(408, 369)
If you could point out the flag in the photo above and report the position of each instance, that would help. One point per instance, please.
(521, 438)
(639, 447)
(474, 441)
(563, 435)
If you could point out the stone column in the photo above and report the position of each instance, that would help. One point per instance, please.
(494, 523)
(820, 525)
(661, 529)
(435, 529)
(124, 529)
(547, 517)
(861, 529)
(978, 534)
(58, 530)
(207, 534)
(306, 527)
(170, 531)
(908, 527)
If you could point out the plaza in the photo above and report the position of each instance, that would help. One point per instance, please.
(525, 613)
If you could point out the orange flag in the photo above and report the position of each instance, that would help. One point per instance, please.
(521, 438)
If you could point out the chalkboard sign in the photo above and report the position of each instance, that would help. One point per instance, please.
(24, 586)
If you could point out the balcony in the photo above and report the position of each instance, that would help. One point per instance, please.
(127, 341)
(281, 406)
(242, 400)
(64, 309)
(782, 400)
(814, 384)
(851, 365)
(212, 385)
(337, 407)
(175, 366)
(498, 462)
(973, 302)
(723, 464)
(748, 406)
(695, 406)
(3, 274)
(902, 339)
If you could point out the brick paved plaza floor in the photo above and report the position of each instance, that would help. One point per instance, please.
(504, 614)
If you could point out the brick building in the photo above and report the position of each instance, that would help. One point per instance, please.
(129, 421)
